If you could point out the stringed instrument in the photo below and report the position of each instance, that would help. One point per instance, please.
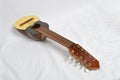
(35, 29)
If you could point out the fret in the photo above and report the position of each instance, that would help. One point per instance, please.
(64, 41)
(58, 38)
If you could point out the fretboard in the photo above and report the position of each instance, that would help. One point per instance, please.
(54, 36)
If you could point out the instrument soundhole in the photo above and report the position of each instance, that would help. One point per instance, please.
(26, 21)
(36, 26)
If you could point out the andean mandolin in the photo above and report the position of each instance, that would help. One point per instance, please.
(35, 29)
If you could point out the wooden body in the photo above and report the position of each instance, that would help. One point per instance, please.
(32, 27)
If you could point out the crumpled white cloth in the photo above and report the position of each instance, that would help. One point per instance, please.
(94, 24)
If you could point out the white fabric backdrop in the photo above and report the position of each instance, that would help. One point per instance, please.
(94, 24)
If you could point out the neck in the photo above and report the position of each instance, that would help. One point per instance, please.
(54, 36)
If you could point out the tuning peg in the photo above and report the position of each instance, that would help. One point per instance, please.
(78, 64)
(81, 66)
(73, 60)
(86, 70)
(70, 57)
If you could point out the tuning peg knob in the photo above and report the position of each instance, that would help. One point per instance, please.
(86, 70)
(70, 57)
(81, 66)
(74, 60)
(78, 64)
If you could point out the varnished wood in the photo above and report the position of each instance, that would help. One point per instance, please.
(38, 30)
(87, 59)
(54, 36)
(84, 57)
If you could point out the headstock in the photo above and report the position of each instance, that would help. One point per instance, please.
(84, 57)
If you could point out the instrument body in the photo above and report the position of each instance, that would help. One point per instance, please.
(25, 26)
(35, 29)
